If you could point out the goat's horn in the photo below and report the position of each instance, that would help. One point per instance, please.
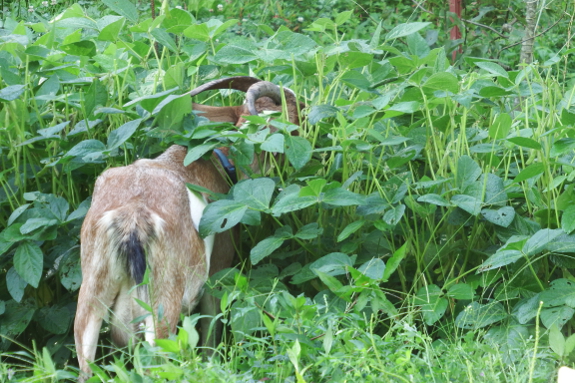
(241, 83)
(267, 89)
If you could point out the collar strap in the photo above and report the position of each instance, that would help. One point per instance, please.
(227, 165)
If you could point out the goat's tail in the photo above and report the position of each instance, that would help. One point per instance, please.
(132, 230)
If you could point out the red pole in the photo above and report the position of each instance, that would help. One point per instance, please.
(455, 7)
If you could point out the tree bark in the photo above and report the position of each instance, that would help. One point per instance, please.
(526, 55)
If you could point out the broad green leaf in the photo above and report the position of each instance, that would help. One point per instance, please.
(343, 17)
(433, 305)
(309, 231)
(374, 269)
(198, 32)
(332, 264)
(500, 258)
(527, 309)
(500, 126)
(461, 291)
(298, 151)
(96, 96)
(538, 242)
(341, 197)
(220, 216)
(560, 293)
(274, 143)
(265, 248)
(394, 262)
(55, 319)
(525, 142)
(165, 39)
(255, 193)
(70, 271)
(289, 200)
(562, 146)
(442, 81)
(405, 29)
(112, 28)
(476, 315)
(15, 284)
(28, 262)
(319, 112)
(530, 171)
(501, 217)
(468, 171)
(434, 199)
(33, 224)
(168, 345)
(468, 203)
(493, 68)
(394, 215)
(350, 229)
(556, 340)
(198, 151)
(556, 315)
(237, 54)
(568, 219)
(124, 8)
(11, 93)
(119, 136)
(352, 60)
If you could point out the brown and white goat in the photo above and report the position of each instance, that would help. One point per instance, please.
(143, 217)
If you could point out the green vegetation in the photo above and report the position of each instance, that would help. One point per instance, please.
(420, 228)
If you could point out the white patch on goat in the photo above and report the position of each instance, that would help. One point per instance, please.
(197, 206)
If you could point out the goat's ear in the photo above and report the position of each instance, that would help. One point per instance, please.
(218, 113)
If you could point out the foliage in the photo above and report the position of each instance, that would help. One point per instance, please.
(422, 212)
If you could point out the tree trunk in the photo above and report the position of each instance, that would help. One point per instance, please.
(526, 55)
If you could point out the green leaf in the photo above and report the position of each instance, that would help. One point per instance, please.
(467, 172)
(394, 262)
(556, 315)
(374, 269)
(15, 284)
(55, 319)
(343, 17)
(237, 54)
(342, 197)
(568, 219)
(560, 293)
(530, 171)
(433, 305)
(289, 200)
(394, 215)
(405, 29)
(500, 126)
(12, 92)
(165, 39)
(556, 340)
(298, 151)
(309, 231)
(468, 203)
(442, 81)
(525, 142)
(562, 146)
(274, 143)
(476, 315)
(493, 68)
(500, 258)
(265, 248)
(255, 193)
(350, 229)
(119, 136)
(168, 345)
(332, 264)
(461, 291)
(220, 216)
(538, 242)
(501, 217)
(110, 27)
(198, 151)
(33, 224)
(28, 262)
(123, 8)
(434, 199)
(319, 112)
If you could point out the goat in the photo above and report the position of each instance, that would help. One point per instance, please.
(144, 218)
